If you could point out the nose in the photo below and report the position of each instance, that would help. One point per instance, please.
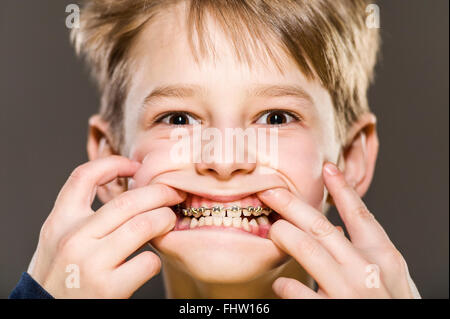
(225, 171)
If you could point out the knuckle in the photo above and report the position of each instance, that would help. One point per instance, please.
(47, 231)
(321, 227)
(140, 224)
(79, 172)
(123, 202)
(308, 247)
(395, 260)
(363, 213)
(68, 245)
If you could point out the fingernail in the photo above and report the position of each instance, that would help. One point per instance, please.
(331, 169)
(130, 183)
(267, 193)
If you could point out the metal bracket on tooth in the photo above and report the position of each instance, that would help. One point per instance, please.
(197, 212)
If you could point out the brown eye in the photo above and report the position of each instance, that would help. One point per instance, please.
(177, 118)
(277, 117)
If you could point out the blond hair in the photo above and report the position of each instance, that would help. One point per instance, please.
(328, 40)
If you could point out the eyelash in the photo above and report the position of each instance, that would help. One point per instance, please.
(295, 117)
(167, 115)
(161, 118)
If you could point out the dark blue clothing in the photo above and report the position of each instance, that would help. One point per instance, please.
(28, 288)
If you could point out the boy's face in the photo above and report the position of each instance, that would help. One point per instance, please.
(224, 96)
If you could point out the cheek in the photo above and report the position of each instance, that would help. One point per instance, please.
(154, 154)
(301, 160)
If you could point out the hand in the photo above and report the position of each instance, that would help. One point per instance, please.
(367, 266)
(75, 241)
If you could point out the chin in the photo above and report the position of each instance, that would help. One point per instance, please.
(220, 256)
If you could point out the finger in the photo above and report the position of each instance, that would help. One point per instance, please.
(363, 229)
(129, 204)
(288, 288)
(134, 233)
(309, 253)
(134, 273)
(311, 221)
(79, 190)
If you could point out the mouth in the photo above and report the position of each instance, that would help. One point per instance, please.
(241, 213)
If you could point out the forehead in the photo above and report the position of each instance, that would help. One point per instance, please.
(162, 53)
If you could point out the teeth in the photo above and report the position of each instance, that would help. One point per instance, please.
(237, 222)
(207, 212)
(245, 225)
(186, 221)
(257, 211)
(234, 211)
(218, 211)
(194, 223)
(197, 212)
(247, 211)
(217, 221)
(263, 220)
(209, 221)
(228, 217)
(186, 212)
(227, 221)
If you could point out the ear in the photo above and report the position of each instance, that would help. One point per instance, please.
(360, 153)
(99, 145)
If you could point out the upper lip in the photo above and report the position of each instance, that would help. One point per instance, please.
(223, 198)
(229, 192)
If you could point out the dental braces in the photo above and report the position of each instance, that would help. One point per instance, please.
(220, 210)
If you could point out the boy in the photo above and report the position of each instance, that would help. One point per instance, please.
(223, 229)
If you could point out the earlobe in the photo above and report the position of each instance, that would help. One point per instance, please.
(360, 154)
(99, 145)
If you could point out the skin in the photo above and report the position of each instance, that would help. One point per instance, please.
(218, 264)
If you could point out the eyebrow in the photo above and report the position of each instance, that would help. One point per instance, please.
(181, 91)
(279, 91)
(175, 91)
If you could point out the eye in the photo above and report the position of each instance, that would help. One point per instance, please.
(277, 117)
(177, 118)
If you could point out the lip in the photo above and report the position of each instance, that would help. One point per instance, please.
(222, 198)
(212, 190)
(230, 230)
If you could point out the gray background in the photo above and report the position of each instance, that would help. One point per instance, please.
(46, 98)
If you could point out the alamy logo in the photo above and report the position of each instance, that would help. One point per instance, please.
(373, 277)
(237, 145)
(73, 19)
(73, 279)
(373, 16)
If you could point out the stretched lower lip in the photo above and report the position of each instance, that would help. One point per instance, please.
(259, 230)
